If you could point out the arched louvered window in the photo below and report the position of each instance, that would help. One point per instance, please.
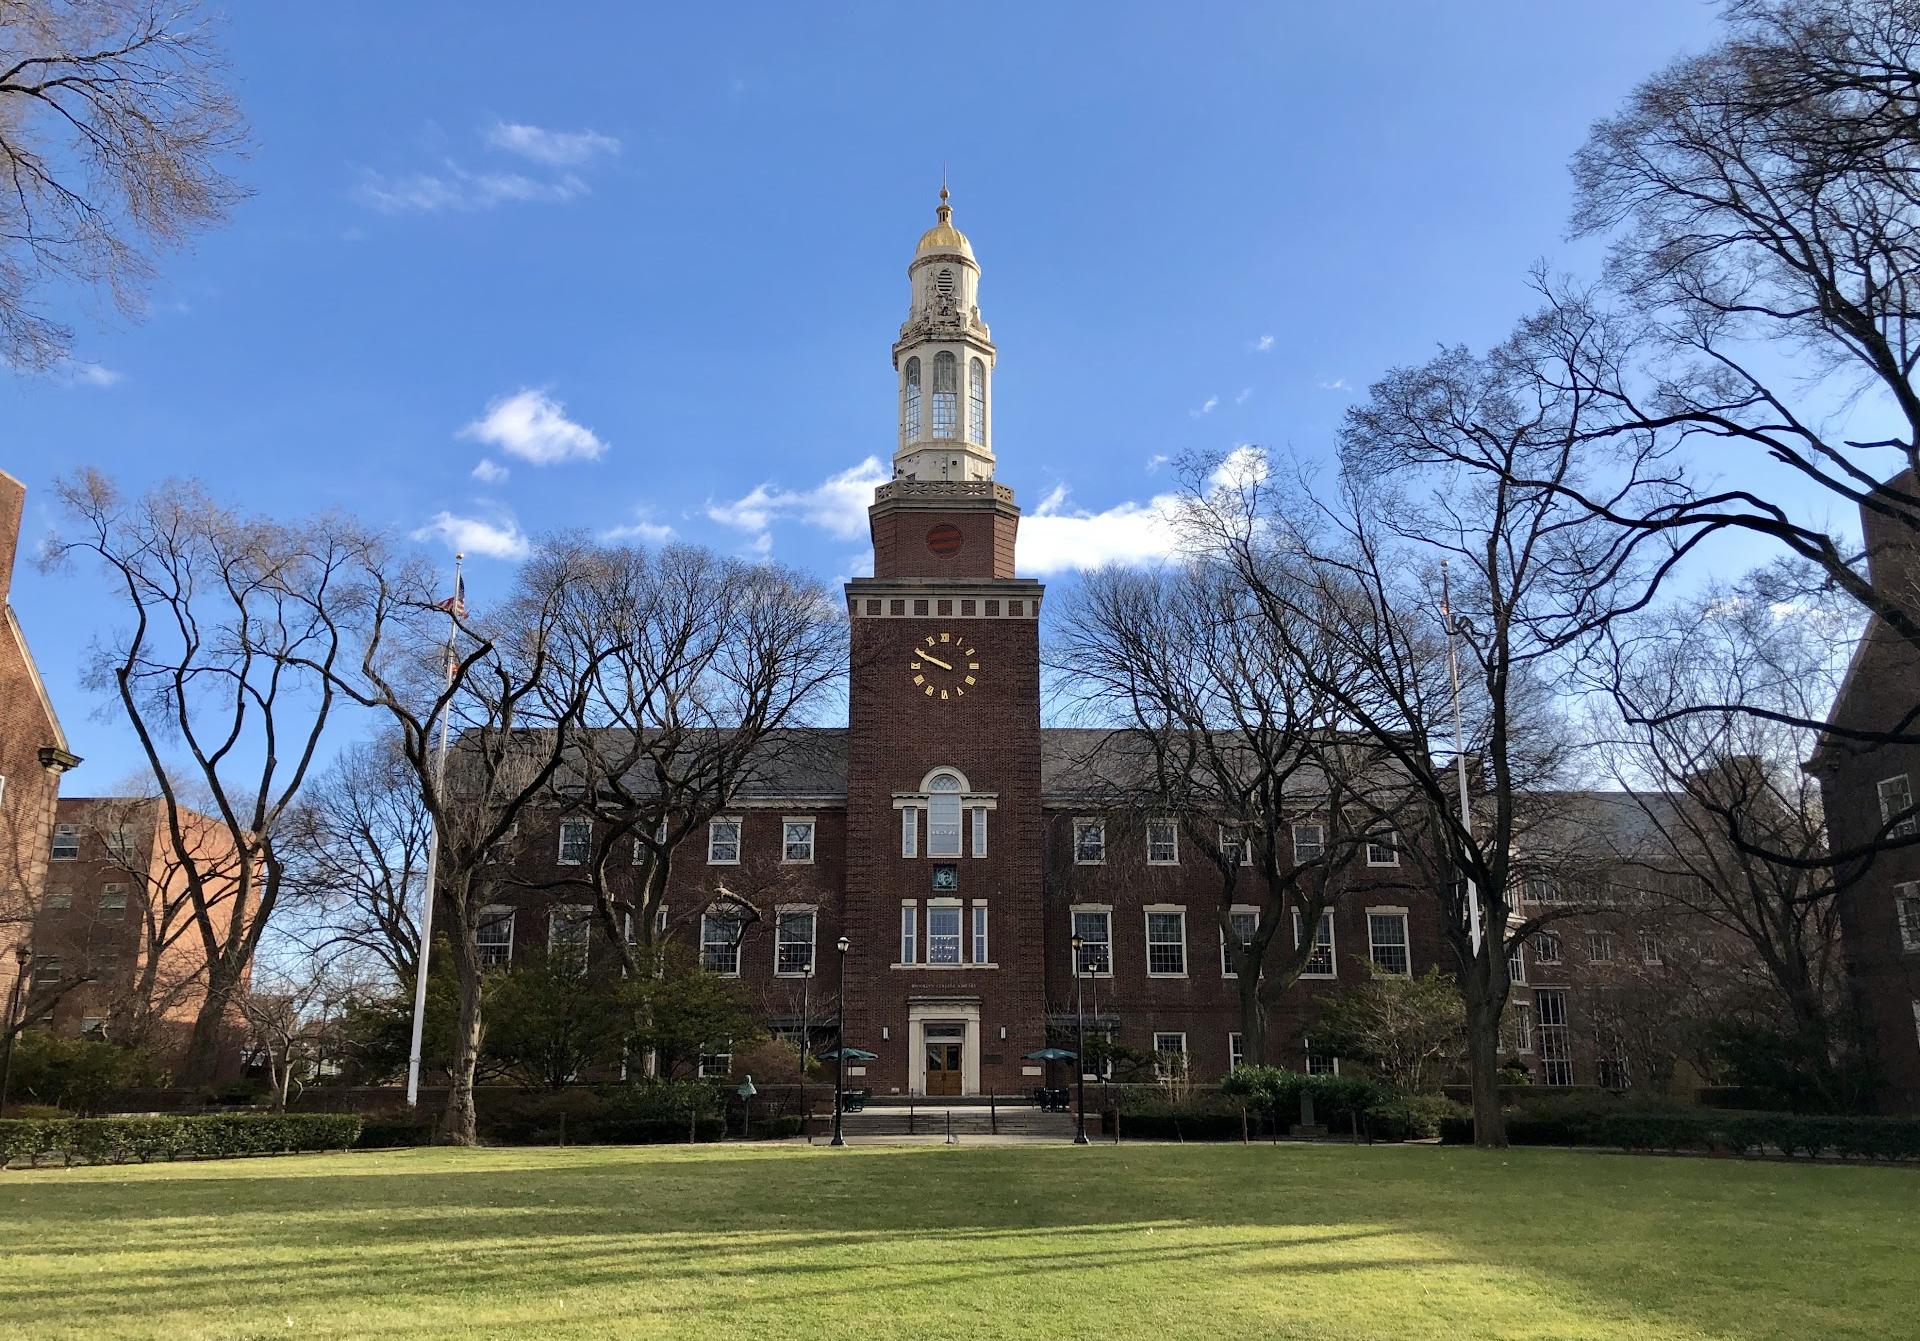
(913, 399)
(945, 282)
(946, 395)
(977, 402)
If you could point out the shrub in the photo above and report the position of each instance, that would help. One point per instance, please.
(1410, 1117)
(1657, 1127)
(117, 1139)
(75, 1074)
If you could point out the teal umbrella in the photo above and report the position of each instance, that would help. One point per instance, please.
(852, 1055)
(1050, 1055)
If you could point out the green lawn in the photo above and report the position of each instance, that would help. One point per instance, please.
(1028, 1242)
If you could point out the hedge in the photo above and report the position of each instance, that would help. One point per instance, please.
(115, 1140)
(1790, 1134)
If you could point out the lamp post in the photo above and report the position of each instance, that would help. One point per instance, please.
(22, 961)
(1079, 1047)
(840, 1047)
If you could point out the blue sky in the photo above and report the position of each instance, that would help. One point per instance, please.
(665, 252)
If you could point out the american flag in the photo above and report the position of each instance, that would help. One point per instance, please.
(456, 604)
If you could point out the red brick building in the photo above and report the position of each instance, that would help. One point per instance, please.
(943, 831)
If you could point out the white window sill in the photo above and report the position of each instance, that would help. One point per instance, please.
(779, 974)
(1152, 862)
(714, 861)
(1165, 975)
(1320, 977)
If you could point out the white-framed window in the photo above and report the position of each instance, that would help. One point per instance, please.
(1169, 1054)
(1539, 889)
(1546, 947)
(943, 816)
(796, 844)
(112, 904)
(1163, 843)
(1166, 942)
(1600, 948)
(909, 933)
(979, 831)
(1089, 842)
(1094, 927)
(120, 843)
(1246, 924)
(1320, 1062)
(569, 934)
(1650, 949)
(720, 932)
(93, 1026)
(1321, 962)
(981, 950)
(1236, 1051)
(723, 841)
(946, 395)
(943, 933)
(1383, 848)
(660, 921)
(66, 842)
(576, 841)
(1896, 798)
(716, 1062)
(1234, 848)
(1556, 1052)
(1612, 1071)
(1906, 914)
(976, 401)
(1309, 843)
(1520, 1025)
(793, 942)
(1387, 940)
(1517, 962)
(912, 414)
(59, 899)
(493, 937)
(910, 831)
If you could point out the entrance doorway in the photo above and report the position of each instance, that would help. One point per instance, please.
(946, 1046)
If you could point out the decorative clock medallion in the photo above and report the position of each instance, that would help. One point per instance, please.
(944, 666)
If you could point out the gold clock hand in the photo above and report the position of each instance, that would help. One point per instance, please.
(928, 656)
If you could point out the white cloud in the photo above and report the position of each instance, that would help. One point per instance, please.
(837, 505)
(1157, 460)
(1054, 538)
(648, 532)
(489, 472)
(1337, 384)
(1241, 399)
(533, 426)
(455, 188)
(1212, 404)
(555, 148)
(502, 539)
(1245, 464)
(69, 372)
(1263, 344)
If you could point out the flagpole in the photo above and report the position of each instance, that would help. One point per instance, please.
(1460, 757)
(433, 849)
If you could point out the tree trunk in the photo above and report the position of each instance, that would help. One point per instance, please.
(201, 1063)
(1253, 1016)
(1483, 1062)
(462, 1121)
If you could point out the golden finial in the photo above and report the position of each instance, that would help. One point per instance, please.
(945, 211)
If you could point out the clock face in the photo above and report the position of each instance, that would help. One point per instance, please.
(944, 666)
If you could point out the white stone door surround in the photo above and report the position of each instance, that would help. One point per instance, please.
(964, 1012)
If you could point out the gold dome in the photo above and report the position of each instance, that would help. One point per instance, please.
(943, 236)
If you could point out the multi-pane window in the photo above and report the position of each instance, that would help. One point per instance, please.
(798, 842)
(1236, 1051)
(723, 842)
(1539, 889)
(943, 816)
(1546, 947)
(1383, 848)
(1600, 947)
(1163, 843)
(1166, 944)
(1320, 1062)
(1309, 843)
(1517, 962)
(1169, 1054)
(1610, 1059)
(720, 942)
(493, 937)
(1896, 799)
(1650, 952)
(1520, 1026)
(59, 899)
(113, 902)
(793, 943)
(120, 843)
(1556, 1053)
(943, 933)
(1906, 911)
(46, 968)
(977, 402)
(569, 931)
(1320, 960)
(1387, 942)
(910, 831)
(66, 842)
(946, 395)
(1094, 927)
(981, 949)
(576, 839)
(909, 933)
(979, 831)
(1233, 846)
(1089, 842)
(913, 399)
(1245, 924)
(716, 1061)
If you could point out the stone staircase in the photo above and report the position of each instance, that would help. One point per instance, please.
(972, 1117)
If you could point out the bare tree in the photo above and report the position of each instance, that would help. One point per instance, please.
(292, 1015)
(115, 123)
(225, 660)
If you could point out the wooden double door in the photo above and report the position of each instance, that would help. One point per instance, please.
(944, 1061)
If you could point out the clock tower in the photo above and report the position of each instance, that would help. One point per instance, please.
(943, 904)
